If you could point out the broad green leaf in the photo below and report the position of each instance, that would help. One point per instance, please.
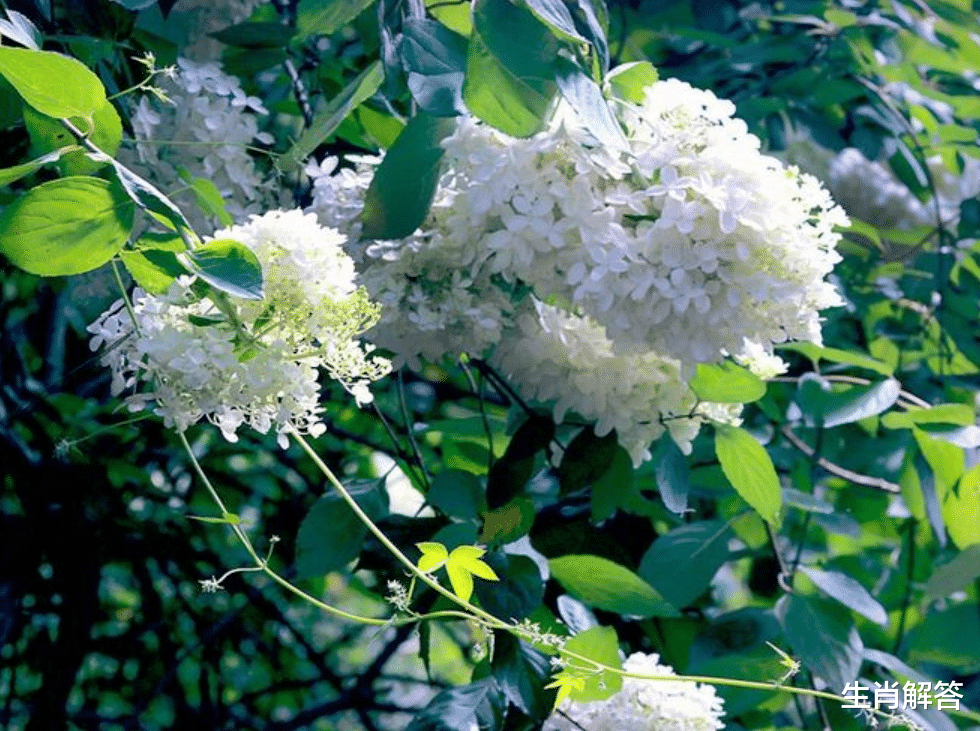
(849, 592)
(227, 265)
(600, 645)
(55, 85)
(576, 616)
(960, 414)
(817, 353)
(587, 458)
(210, 200)
(48, 134)
(603, 584)
(508, 522)
(328, 119)
(148, 197)
(823, 637)
(331, 535)
(956, 574)
(750, 470)
(585, 97)
(510, 68)
(961, 510)
(947, 461)
(462, 565)
(889, 661)
(458, 494)
(255, 35)
(434, 59)
(681, 564)
(949, 637)
(67, 226)
(613, 488)
(454, 709)
(865, 230)
(630, 81)
(154, 271)
(671, 471)
(836, 406)
(727, 383)
(12, 174)
(555, 15)
(755, 663)
(398, 199)
(18, 28)
(510, 473)
(518, 591)
(434, 556)
(520, 670)
(326, 17)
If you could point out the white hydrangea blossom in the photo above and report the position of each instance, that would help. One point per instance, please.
(567, 360)
(252, 362)
(190, 23)
(645, 705)
(204, 130)
(686, 247)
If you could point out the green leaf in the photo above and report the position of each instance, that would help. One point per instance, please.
(590, 105)
(66, 226)
(555, 15)
(671, 472)
(510, 473)
(229, 519)
(331, 535)
(255, 35)
(681, 564)
(455, 709)
(55, 85)
(434, 556)
(603, 584)
(154, 271)
(227, 265)
(601, 645)
(750, 470)
(630, 81)
(510, 68)
(326, 17)
(956, 574)
(960, 414)
(328, 119)
(849, 592)
(614, 486)
(434, 59)
(823, 637)
(817, 353)
(12, 174)
(823, 405)
(961, 510)
(519, 590)
(398, 199)
(949, 637)
(458, 494)
(521, 671)
(47, 134)
(508, 522)
(587, 458)
(147, 196)
(462, 565)
(727, 383)
(209, 198)
(21, 30)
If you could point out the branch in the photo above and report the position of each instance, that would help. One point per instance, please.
(858, 479)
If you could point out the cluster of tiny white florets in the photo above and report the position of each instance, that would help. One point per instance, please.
(685, 247)
(645, 705)
(248, 362)
(204, 131)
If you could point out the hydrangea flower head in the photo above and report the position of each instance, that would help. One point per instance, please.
(249, 362)
(645, 705)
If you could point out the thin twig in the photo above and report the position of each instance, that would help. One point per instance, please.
(877, 483)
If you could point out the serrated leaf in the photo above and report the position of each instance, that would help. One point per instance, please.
(15, 173)
(727, 383)
(750, 470)
(603, 584)
(401, 191)
(154, 271)
(630, 81)
(823, 637)
(66, 226)
(55, 85)
(849, 592)
(520, 670)
(48, 134)
(681, 564)
(328, 119)
(510, 68)
(227, 265)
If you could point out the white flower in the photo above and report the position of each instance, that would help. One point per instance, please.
(645, 705)
(257, 362)
(204, 133)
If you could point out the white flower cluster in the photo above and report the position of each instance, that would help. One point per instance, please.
(204, 131)
(189, 24)
(645, 705)
(684, 248)
(249, 362)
